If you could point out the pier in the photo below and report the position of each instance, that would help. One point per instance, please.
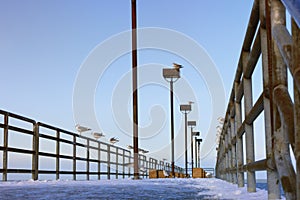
(64, 163)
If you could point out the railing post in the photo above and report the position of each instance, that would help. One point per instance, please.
(219, 162)
(35, 156)
(229, 152)
(233, 146)
(99, 160)
(222, 159)
(251, 181)
(129, 161)
(74, 157)
(108, 162)
(224, 173)
(123, 166)
(226, 153)
(281, 144)
(296, 64)
(87, 159)
(57, 153)
(5, 145)
(144, 162)
(272, 175)
(117, 163)
(239, 144)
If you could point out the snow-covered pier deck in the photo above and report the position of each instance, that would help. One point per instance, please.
(128, 189)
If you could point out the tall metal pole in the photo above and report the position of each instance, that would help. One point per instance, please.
(135, 91)
(185, 142)
(172, 126)
(199, 153)
(196, 153)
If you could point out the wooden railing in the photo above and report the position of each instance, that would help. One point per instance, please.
(268, 38)
(41, 145)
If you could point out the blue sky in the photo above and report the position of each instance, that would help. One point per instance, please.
(43, 44)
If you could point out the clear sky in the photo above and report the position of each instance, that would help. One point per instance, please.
(44, 45)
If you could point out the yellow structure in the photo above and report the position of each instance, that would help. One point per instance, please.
(199, 173)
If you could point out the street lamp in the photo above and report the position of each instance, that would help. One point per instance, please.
(185, 109)
(171, 75)
(192, 124)
(198, 140)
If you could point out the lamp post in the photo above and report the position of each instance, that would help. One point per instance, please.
(185, 109)
(135, 91)
(192, 124)
(198, 140)
(171, 75)
(196, 153)
(196, 133)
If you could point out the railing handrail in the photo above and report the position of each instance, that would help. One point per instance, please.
(122, 157)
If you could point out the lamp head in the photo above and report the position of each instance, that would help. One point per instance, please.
(191, 123)
(185, 107)
(196, 133)
(171, 73)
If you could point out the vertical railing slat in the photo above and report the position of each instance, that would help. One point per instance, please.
(248, 104)
(35, 156)
(296, 65)
(123, 163)
(108, 162)
(74, 157)
(233, 135)
(99, 160)
(87, 159)
(239, 142)
(281, 138)
(229, 151)
(5, 145)
(117, 162)
(272, 175)
(57, 153)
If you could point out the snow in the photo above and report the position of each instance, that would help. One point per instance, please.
(209, 188)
